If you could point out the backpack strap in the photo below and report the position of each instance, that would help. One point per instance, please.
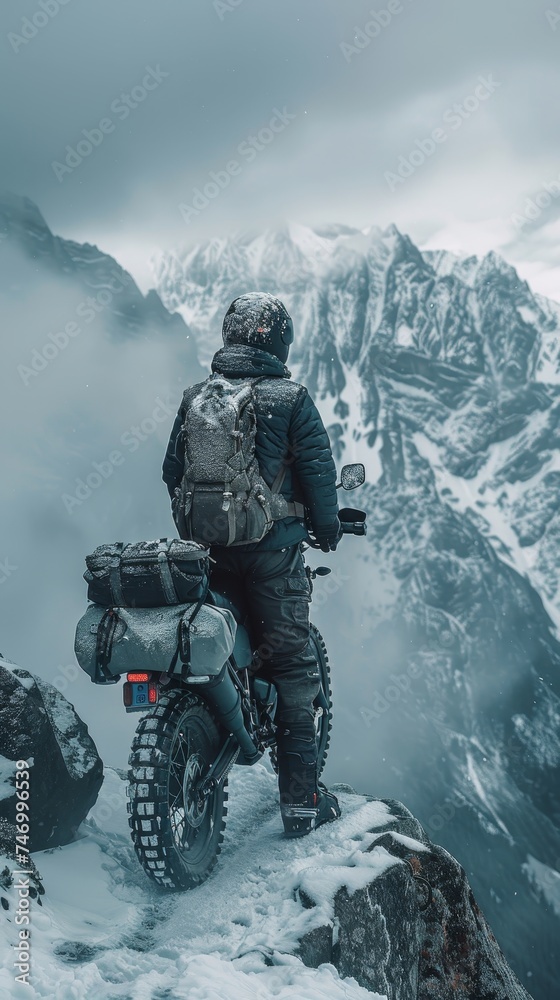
(296, 509)
(278, 479)
(229, 509)
(292, 508)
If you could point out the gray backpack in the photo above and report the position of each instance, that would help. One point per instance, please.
(223, 499)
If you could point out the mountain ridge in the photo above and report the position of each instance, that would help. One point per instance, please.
(445, 383)
(442, 375)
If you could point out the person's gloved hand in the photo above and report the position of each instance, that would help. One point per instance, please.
(329, 537)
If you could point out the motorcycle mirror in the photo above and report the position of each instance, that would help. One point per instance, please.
(352, 476)
(322, 570)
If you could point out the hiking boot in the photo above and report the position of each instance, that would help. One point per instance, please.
(300, 818)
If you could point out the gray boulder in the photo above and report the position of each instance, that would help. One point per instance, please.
(39, 725)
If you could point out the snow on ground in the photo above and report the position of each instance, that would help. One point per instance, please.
(7, 777)
(104, 932)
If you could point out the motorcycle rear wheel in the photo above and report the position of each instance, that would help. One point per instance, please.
(176, 831)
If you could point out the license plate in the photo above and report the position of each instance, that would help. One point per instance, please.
(139, 694)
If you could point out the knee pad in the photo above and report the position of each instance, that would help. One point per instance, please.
(298, 749)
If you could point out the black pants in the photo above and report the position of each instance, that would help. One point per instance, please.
(273, 589)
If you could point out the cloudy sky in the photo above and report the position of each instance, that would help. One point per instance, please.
(438, 115)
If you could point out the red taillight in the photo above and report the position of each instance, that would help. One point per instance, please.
(152, 693)
(127, 695)
(138, 678)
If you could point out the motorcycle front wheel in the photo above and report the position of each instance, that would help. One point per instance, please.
(177, 831)
(322, 705)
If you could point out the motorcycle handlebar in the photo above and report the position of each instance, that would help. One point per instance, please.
(352, 522)
(353, 527)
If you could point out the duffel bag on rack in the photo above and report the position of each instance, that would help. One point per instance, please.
(147, 574)
(180, 640)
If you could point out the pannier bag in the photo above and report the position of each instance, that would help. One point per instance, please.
(147, 574)
(181, 639)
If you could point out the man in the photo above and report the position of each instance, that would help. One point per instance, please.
(269, 576)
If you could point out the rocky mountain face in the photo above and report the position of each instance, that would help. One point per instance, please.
(442, 374)
(26, 237)
(412, 930)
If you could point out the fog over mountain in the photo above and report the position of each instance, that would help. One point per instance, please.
(440, 373)
(92, 372)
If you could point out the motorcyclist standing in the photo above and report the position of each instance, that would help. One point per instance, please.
(268, 577)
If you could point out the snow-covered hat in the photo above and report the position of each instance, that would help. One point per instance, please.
(259, 319)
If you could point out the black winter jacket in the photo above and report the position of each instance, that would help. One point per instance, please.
(289, 430)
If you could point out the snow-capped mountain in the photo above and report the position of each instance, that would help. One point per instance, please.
(442, 375)
(458, 351)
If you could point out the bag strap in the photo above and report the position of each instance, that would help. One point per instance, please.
(115, 581)
(184, 637)
(104, 644)
(165, 572)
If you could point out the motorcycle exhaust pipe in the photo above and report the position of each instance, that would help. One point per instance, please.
(223, 696)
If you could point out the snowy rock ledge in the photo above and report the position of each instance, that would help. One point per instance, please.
(336, 915)
(400, 918)
(38, 725)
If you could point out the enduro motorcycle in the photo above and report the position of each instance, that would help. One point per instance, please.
(196, 728)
